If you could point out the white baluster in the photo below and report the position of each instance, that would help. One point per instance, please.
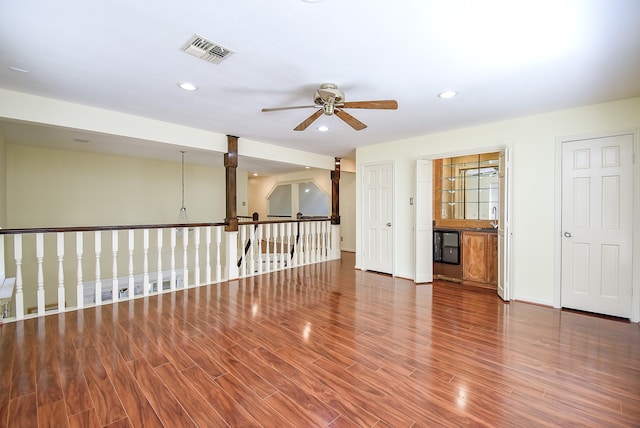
(308, 243)
(326, 227)
(172, 282)
(267, 256)
(243, 237)
(319, 238)
(160, 278)
(310, 249)
(145, 262)
(17, 254)
(185, 259)
(325, 240)
(303, 243)
(115, 295)
(288, 247)
(283, 258)
(251, 255)
(98, 285)
(258, 245)
(208, 257)
(79, 285)
(40, 260)
(297, 243)
(218, 262)
(276, 237)
(291, 244)
(330, 231)
(315, 242)
(132, 284)
(61, 294)
(196, 264)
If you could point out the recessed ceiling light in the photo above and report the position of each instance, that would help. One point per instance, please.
(307, 167)
(447, 94)
(323, 128)
(255, 174)
(188, 86)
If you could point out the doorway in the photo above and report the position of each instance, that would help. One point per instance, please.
(483, 222)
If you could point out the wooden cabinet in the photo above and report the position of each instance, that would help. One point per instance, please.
(480, 257)
(492, 258)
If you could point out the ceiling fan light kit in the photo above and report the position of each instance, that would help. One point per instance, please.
(330, 100)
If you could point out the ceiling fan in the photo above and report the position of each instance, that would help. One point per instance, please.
(329, 100)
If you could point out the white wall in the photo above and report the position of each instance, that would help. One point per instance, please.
(261, 187)
(57, 188)
(533, 140)
(347, 210)
(3, 182)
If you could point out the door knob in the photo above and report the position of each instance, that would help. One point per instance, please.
(389, 224)
(567, 234)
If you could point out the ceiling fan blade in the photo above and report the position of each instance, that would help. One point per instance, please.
(351, 121)
(286, 108)
(380, 104)
(308, 121)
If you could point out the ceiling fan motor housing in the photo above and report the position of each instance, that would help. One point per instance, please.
(328, 93)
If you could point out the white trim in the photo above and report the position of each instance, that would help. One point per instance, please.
(510, 147)
(423, 222)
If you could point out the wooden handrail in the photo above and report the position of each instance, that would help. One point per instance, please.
(144, 226)
(302, 220)
(96, 228)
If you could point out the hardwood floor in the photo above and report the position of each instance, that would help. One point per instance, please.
(320, 346)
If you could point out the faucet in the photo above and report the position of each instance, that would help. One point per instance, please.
(494, 215)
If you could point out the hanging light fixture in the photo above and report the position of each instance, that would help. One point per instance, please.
(182, 216)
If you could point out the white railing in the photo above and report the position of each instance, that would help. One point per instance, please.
(265, 246)
(59, 269)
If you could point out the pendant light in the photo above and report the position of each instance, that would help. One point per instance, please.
(182, 216)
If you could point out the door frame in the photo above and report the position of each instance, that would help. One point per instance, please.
(363, 201)
(635, 271)
(508, 256)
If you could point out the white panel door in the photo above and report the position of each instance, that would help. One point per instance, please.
(423, 219)
(597, 209)
(378, 217)
(504, 225)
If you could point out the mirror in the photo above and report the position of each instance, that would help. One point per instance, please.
(468, 187)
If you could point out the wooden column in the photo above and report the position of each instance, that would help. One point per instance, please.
(230, 165)
(335, 193)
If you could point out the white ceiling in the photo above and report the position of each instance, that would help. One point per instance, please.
(505, 58)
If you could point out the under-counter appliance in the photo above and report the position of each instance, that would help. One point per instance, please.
(446, 246)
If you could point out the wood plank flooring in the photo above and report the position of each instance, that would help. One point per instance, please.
(320, 346)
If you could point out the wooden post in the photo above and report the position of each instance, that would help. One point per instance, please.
(230, 165)
(335, 193)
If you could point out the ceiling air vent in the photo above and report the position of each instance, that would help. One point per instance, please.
(205, 49)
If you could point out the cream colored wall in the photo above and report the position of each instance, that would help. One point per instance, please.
(348, 210)
(51, 188)
(534, 141)
(36, 109)
(3, 182)
(260, 187)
